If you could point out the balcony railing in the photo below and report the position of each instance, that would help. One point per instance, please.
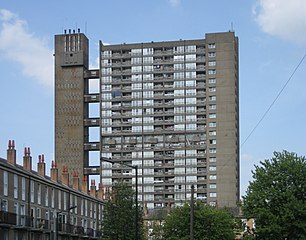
(17, 221)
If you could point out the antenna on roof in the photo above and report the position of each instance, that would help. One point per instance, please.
(232, 27)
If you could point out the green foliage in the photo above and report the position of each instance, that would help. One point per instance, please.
(119, 215)
(276, 197)
(209, 223)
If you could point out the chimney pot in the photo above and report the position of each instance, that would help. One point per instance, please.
(9, 144)
(13, 144)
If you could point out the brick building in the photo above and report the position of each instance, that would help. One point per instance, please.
(36, 206)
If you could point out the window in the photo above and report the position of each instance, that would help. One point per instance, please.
(15, 186)
(148, 60)
(212, 106)
(39, 193)
(212, 150)
(5, 183)
(211, 71)
(212, 115)
(211, 45)
(211, 54)
(136, 69)
(212, 186)
(212, 80)
(212, 194)
(23, 193)
(76, 204)
(213, 141)
(212, 168)
(178, 49)
(65, 200)
(213, 177)
(148, 68)
(147, 51)
(136, 60)
(52, 197)
(212, 89)
(212, 98)
(32, 191)
(86, 208)
(212, 133)
(212, 63)
(191, 48)
(191, 57)
(212, 159)
(212, 124)
(47, 197)
(137, 51)
(4, 205)
(82, 207)
(59, 196)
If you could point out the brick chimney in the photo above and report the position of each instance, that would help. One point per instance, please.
(93, 188)
(54, 171)
(75, 181)
(11, 152)
(85, 184)
(41, 166)
(27, 159)
(100, 192)
(65, 176)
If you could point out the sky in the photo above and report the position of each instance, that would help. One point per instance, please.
(272, 43)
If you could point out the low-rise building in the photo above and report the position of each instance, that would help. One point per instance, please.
(37, 206)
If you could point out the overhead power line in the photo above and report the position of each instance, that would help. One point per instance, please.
(275, 99)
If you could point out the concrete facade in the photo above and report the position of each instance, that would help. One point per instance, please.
(172, 108)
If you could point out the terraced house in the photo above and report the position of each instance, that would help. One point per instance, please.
(35, 206)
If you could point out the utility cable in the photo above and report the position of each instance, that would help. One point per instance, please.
(271, 105)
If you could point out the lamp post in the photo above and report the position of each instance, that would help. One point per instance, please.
(192, 213)
(136, 185)
(56, 223)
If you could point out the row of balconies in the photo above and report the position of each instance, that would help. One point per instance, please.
(158, 77)
(23, 221)
(156, 86)
(157, 156)
(156, 52)
(167, 60)
(128, 72)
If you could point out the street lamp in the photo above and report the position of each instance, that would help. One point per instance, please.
(56, 223)
(136, 185)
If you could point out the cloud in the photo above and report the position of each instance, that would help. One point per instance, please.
(19, 45)
(175, 3)
(282, 18)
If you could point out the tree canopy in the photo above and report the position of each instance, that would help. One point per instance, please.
(119, 215)
(209, 223)
(276, 197)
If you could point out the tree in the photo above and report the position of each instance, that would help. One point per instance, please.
(119, 215)
(276, 197)
(209, 223)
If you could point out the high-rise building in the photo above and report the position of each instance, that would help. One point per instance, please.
(171, 108)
